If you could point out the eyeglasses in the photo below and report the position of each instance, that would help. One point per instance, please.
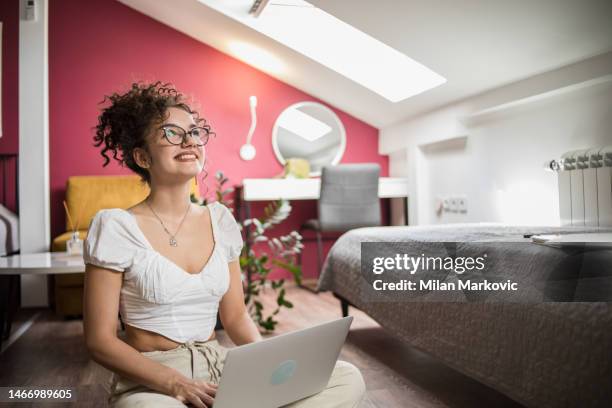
(176, 135)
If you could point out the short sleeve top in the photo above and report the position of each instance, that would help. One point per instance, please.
(158, 295)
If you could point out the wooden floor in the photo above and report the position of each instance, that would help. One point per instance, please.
(51, 353)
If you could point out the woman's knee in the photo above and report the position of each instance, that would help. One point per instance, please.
(147, 400)
(347, 375)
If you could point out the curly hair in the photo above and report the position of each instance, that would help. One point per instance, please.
(125, 123)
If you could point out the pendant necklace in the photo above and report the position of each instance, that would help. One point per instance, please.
(172, 240)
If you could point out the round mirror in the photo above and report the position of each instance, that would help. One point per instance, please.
(310, 131)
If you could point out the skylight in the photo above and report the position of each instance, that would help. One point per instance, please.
(337, 45)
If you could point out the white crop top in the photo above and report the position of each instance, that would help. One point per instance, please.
(156, 294)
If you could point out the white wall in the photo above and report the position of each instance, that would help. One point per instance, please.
(491, 148)
(34, 218)
(398, 169)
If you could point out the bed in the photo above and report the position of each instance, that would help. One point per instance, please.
(541, 354)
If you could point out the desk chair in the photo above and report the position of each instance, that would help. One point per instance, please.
(348, 200)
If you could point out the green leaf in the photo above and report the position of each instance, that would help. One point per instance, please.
(277, 284)
(294, 269)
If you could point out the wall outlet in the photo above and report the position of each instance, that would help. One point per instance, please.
(453, 204)
(462, 204)
(446, 204)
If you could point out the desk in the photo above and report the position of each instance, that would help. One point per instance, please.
(45, 263)
(263, 189)
(270, 189)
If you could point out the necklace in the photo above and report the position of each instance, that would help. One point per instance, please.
(172, 240)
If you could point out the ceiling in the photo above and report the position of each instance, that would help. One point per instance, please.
(477, 45)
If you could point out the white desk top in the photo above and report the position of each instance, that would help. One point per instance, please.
(44, 263)
(268, 189)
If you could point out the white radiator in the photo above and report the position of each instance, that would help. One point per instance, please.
(585, 187)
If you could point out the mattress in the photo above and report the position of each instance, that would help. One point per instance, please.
(541, 354)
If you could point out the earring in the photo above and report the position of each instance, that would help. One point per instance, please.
(196, 180)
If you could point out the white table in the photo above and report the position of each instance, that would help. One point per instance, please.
(269, 189)
(45, 263)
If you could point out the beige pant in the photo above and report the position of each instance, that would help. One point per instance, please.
(204, 360)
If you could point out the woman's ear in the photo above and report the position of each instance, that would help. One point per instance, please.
(141, 157)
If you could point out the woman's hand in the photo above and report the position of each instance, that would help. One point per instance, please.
(197, 392)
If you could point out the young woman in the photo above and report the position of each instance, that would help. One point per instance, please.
(169, 265)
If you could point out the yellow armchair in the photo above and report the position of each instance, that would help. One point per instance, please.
(85, 196)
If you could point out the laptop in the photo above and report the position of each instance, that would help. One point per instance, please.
(585, 239)
(281, 369)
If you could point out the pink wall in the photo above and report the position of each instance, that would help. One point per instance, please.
(9, 143)
(97, 47)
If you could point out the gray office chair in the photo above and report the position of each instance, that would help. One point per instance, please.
(348, 200)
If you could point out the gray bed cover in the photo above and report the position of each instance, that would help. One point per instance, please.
(540, 354)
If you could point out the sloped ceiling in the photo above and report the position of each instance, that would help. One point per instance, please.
(477, 45)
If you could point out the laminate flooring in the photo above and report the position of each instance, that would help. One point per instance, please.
(51, 352)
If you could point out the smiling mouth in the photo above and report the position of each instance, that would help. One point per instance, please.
(186, 157)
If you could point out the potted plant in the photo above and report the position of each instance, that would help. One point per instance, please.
(257, 265)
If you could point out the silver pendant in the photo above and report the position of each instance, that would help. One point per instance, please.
(173, 242)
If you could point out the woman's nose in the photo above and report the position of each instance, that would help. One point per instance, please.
(188, 141)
